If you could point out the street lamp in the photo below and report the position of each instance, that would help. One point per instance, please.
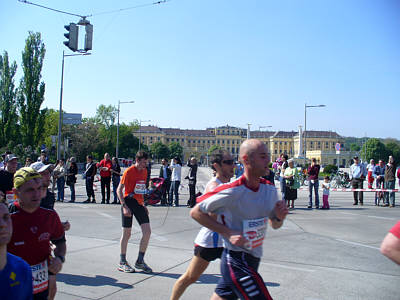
(305, 127)
(140, 126)
(116, 147)
(61, 97)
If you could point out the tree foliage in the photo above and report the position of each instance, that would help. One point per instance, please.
(160, 150)
(393, 149)
(374, 149)
(30, 94)
(8, 110)
(175, 149)
(354, 147)
(213, 148)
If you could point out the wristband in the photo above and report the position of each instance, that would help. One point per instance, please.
(62, 258)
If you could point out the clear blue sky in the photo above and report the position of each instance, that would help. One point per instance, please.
(202, 63)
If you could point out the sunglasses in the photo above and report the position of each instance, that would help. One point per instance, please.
(228, 162)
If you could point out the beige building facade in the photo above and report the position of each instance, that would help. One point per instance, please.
(319, 144)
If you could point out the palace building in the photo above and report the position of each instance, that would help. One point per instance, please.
(319, 144)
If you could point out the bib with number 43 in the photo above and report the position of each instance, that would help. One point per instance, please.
(40, 277)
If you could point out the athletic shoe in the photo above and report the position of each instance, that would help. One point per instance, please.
(87, 201)
(126, 268)
(145, 268)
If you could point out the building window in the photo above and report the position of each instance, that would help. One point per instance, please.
(280, 143)
(183, 140)
(228, 141)
(158, 138)
(276, 151)
(285, 143)
(167, 140)
(223, 141)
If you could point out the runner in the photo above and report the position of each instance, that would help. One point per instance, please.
(208, 244)
(245, 205)
(34, 229)
(15, 273)
(132, 202)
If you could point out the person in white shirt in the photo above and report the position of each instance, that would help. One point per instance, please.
(176, 168)
(371, 170)
(326, 186)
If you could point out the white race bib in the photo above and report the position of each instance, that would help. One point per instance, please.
(140, 187)
(40, 277)
(10, 197)
(254, 232)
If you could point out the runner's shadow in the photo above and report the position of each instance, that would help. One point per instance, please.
(98, 280)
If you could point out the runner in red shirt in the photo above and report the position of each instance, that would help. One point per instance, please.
(33, 229)
(105, 166)
(132, 203)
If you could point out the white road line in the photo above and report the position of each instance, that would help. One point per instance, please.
(287, 267)
(385, 218)
(376, 217)
(357, 244)
(105, 215)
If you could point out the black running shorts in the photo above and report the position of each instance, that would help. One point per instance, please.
(137, 210)
(208, 254)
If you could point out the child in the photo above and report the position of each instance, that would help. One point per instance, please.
(326, 185)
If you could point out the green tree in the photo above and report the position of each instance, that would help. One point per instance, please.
(354, 147)
(374, 149)
(8, 108)
(30, 95)
(175, 150)
(213, 148)
(393, 149)
(128, 143)
(106, 115)
(159, 150)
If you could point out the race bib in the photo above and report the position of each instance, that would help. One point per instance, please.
(10, 197)
(254, 232)
(140, 187)
(40, 277)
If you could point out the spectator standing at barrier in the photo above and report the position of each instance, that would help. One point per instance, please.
(176, 167)
(291, 176)
(116, 177)
(390, 180)
(357, 176)
(326, 185)
(282, 179)
(15, 273)
(379, 174)
(313, 182)
(71, 177)
(6, 177)
(192, 177)
(371, 171)
(165, 173)
(89, 174)
(59, 174)
(390, 246)
(105, 166)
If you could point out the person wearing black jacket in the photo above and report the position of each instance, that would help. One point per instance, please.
(165, 173)
(390, 182)
(89, 174)
(71, 177)
(192, 177)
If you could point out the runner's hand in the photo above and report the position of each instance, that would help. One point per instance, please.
(238, 240)
(66, 225)
(126, 211)
(55, 265)
(281, 210)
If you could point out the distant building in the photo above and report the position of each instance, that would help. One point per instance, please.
(320, 144)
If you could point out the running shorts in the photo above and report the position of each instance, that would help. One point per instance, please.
(137, 210)
(208, 254)
(240, 278)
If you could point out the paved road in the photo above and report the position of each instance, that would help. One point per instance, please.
(316, 255)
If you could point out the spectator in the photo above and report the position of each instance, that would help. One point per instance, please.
(390, 180)
(176, 167)
(105, 166)
(390, 246)
(291, 174)
(116, 177)
(326, 185)
(71, 177)
(192, 177)
(89, 174)
(282, 179)
(59, 173)
(379, 174)
(165, 173)
(28, 162)
(371, 171)
(313, 182)
(6, 177)
(357, 176)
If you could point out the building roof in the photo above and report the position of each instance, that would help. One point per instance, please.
(321, 134)
(261, 134)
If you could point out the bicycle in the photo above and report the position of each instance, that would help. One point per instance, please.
(340, 179)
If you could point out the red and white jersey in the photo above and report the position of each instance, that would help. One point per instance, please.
(32, 233)
(242, 209)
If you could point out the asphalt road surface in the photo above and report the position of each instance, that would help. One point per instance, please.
(317, 254)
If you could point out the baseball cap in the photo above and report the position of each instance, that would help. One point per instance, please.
(23, 175)
(40, 167)
(10, 157)
(355, 157)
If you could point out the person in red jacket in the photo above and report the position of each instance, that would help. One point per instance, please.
(105, 166)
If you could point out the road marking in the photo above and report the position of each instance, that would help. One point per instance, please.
(385, 218)
(105, 215)
(376, 217)
(287, 267)
(357, 244)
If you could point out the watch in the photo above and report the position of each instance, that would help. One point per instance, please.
(62, 258)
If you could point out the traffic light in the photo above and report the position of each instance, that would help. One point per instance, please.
(72, 36)
(88, 37)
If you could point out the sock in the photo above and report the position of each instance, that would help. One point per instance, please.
(123, 259)
(140, 257)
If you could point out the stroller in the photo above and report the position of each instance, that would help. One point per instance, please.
(155, 192)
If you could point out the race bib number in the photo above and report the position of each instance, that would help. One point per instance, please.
(254, 232)
(40, 277)
(140, 187)
(10, 197)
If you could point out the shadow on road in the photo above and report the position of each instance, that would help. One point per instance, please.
(98, 280)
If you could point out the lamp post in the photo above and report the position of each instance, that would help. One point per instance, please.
(140, 126)
(61, 98)
(117, 146)
(305, 127)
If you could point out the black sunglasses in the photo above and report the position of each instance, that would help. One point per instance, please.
(228, 162)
